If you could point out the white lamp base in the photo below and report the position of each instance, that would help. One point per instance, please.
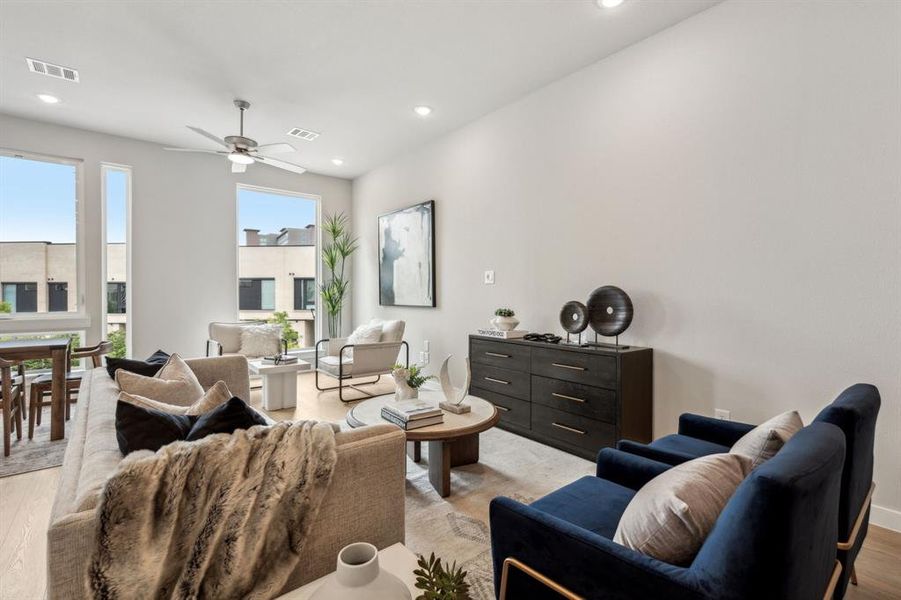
(457, 409)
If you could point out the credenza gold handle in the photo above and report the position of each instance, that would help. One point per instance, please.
(497, 354)
(493, 380)
(503, 408)
(573, 367)
(567, 428)
(565, 397)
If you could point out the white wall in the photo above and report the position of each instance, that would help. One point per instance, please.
(184, 230)
(738, 174)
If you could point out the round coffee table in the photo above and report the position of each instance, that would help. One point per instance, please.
(451, 444)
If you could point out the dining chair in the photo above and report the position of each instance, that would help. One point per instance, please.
(10, 395)
(42, 385)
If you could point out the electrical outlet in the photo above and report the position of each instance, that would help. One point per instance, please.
(720, 413)
(426, 356)
(425, 346)
(421, 357)
(489, 277)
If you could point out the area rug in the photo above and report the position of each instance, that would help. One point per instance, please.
(39, 453)
(456, 528)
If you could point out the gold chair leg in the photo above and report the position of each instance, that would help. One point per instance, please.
(544, 580)
(853, 577)
(833, 581)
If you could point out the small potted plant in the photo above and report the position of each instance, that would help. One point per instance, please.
(440, 581)
(408, 380)
(504, 319)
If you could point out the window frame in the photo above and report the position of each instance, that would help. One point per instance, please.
(78, 320)
(260, 308)
(50, 286)
(304, 281)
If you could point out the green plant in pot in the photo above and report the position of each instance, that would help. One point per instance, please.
(504, 319)
(408, 380)
(440, 581)
(340, 246)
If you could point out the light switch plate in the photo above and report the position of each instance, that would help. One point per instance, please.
(425, 345)
(489, 277)
(722, 414)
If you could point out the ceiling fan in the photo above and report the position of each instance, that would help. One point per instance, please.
(243, 151)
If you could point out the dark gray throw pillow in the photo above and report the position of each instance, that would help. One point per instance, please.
(139, 428)
(225, 418)
(147, 368)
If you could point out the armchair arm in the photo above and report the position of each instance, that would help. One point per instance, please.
(627, 469)
(584, 562)
(718, 431)
(669, 457)
(216, 347)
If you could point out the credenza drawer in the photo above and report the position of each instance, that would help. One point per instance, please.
(571, 429)
(576, 398)
(513, 411)
(499, 354)
(502, 381)
(579, 367)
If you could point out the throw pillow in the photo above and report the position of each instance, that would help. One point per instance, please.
(175, 383)
(392, 331)
(364, 334)
(261, 340)
(148, 368)
(764, 441)
(225, 418)
(213, 397)
(139, 428)
(670, 516)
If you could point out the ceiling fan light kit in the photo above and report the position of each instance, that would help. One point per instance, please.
(243, 151)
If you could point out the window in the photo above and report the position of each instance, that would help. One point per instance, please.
(58, 297)
(304, 293)
(256, 294)
(115, 297)
(40, 250)
(20, 297)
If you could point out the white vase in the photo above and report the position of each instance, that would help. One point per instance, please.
(504, 323)
(359, 577)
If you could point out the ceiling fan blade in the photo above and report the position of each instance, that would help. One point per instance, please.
(209, 136)
(280, 148)
(238, 167)
(195, 150)
(274, 162)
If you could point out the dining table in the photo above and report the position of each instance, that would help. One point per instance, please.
(57, 350)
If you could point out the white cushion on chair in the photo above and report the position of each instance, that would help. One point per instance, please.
(261, 340)
(330, 364)
(392, 331)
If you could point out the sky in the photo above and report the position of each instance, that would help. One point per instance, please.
(37, 203)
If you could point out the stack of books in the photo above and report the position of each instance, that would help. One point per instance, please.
(412, 414)
(280, 359)
(503, 335)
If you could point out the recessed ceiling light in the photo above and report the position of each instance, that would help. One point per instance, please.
(48, 99)
(338, 161)
(422, 110)
(609, 3)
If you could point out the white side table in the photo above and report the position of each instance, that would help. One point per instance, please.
(396, 559)
(279, 383)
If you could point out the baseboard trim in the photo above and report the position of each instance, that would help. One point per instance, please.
(887, 518)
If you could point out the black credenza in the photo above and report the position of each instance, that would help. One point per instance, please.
(576, 399)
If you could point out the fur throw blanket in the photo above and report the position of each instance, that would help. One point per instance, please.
(223, 517)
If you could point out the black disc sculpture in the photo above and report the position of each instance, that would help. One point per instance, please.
(574, 317)
(610, 310)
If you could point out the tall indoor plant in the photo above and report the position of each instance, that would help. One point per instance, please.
(339, 247)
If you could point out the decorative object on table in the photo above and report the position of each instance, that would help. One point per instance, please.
(440, 581)
(610, 312)
(340, 246)
(407, 256)
(502, 335)
(412, 414)
(547, 338)
(407, 381)
(453, 397)
(504, 319)
(359, 577)
(574, 318)
(280, 359)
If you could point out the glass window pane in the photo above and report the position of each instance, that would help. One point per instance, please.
(267, 294)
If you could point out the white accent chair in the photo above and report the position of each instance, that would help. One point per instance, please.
(225, 338)
(342, 361)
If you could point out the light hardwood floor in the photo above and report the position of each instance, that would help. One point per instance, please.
(25, 502)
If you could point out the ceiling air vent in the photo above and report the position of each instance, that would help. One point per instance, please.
(50, 70)
(304, 134)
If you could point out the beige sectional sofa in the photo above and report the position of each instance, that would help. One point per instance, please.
(365, 501)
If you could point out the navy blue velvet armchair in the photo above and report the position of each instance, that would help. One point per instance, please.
(775, 539)
(854, 411)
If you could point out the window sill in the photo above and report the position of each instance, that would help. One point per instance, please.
(44, 323)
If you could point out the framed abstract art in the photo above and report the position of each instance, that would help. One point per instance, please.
(407, 256)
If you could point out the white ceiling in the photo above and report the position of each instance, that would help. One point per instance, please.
(351, 70)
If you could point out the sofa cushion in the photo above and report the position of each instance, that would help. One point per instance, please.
(670, 516)
(148, 368)
(590, 503)
(213, 397)
(261, 340)
(225, 418)
(764, 441)
(139, 428)
(689, 446)
(174, 384)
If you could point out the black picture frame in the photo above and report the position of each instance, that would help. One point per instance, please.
(386, 296)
